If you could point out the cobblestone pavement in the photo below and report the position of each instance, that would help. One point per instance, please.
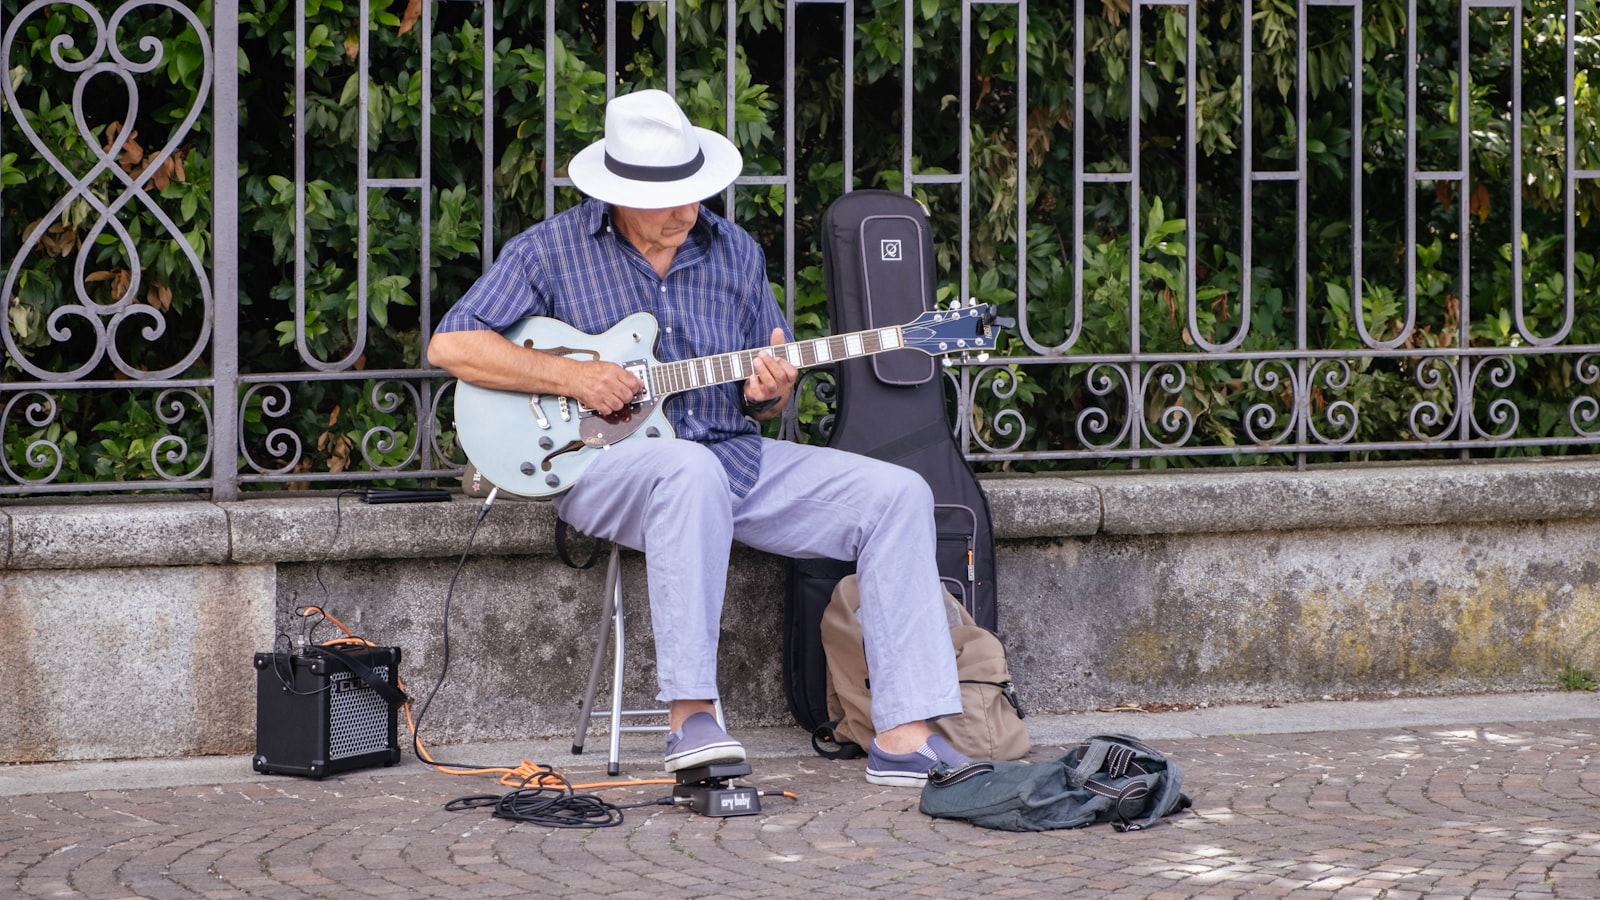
(1483, 810)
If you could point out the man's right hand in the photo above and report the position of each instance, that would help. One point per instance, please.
(605, 387)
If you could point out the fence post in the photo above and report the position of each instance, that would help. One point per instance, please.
(225, 251)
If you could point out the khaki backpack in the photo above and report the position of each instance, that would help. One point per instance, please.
(990, 725)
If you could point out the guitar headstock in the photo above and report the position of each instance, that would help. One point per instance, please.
(966, 329)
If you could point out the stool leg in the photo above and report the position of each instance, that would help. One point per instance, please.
(618, 646)
(608, 612)
(612, 622)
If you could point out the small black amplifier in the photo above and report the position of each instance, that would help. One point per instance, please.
(316, 716)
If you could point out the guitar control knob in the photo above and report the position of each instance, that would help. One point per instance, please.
(652, 431)
(545, 443)
(552, 480)
(526, 468)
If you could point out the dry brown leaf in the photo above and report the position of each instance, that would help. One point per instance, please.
(162, 175)
(159, 296)
(413, 12)
(132, 160)
(304, 465)
(339, 459)
(1480, 202)
(59, 240)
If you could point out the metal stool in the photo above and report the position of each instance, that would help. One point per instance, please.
(611, 622)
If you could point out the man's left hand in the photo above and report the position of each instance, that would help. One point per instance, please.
(773, 379)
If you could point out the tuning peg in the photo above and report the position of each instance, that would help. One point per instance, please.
(947, 362)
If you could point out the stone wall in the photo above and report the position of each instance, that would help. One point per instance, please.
(131, 625)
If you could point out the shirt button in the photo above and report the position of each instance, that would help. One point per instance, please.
(663, 289)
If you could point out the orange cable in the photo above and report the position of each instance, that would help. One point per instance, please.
(524, 774)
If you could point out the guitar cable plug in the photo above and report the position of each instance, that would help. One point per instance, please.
(488, 502)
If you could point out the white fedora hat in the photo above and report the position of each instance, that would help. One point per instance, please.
(652, 158)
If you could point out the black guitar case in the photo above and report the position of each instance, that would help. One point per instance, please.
(877, 260)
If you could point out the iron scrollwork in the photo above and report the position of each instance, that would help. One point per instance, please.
(104, 59)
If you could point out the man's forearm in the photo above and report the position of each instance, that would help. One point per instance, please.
(487, 359)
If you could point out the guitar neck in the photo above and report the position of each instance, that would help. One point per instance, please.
(704, 371)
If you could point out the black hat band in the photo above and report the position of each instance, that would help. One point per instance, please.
(656, 173)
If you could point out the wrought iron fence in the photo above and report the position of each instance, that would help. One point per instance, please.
(1147, 333)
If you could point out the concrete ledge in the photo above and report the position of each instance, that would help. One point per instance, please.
(1213, 501)
(115, 535)
(288, 528)
(1154, 587)
(1028, 506)
(297, 529)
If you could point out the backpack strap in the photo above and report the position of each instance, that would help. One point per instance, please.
(1007, 690)
(942, 775)
(1109, 754)
(1119, 758)
(561, 547)
(1135, 790)
(1115, 756)
(826, 741)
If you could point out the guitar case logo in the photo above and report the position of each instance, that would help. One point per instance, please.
(889, 248)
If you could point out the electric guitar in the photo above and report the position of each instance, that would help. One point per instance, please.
(537, 445)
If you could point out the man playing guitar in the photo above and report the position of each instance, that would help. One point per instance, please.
(642, 243)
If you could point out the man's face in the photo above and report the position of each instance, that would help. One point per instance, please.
(657, 229)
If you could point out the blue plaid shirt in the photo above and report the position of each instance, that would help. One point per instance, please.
(715, 299)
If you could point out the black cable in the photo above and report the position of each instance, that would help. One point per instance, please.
(556, 808)
(548, 805)
(659, 801)
(338, 524)
(444, 666)
(286, 679)
(544, 804)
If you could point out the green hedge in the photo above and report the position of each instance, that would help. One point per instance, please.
(108, 434)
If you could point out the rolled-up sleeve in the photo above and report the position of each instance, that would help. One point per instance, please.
(505, 294)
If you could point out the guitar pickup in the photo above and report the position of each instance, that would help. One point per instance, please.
(641, 370)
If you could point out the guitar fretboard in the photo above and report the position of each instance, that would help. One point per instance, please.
(672, 377)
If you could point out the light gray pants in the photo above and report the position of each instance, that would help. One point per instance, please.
(670, 499)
